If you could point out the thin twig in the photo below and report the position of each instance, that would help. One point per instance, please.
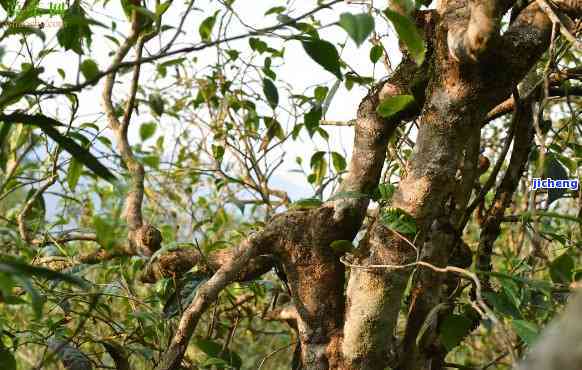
(274, 353)
(480, 306)
(556, 20)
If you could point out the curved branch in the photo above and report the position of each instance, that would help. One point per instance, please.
(135, 196)
(533, 92)
(208, 293)
(178, 262)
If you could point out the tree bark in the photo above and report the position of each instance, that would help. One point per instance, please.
(470, 69)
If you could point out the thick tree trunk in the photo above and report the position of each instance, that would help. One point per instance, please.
(470, 69)
(458, 100)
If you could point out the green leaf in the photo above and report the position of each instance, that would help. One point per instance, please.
(407, 32)
(526, 330)
(13, 89)
(398, 220)
(187, 288)
(386, 191)
(274, 129)
(258, 45)
(103, 232)
(35, 217)
(306, 203)
(209, 347)
(162, 8)
(342, 246)
(75, 30)
(25, 31)
(174, 62)
(18, 268)
(511, 291)
(152, 161)
(89, 69)
(216, 354)
(126, 6)
(4, 132)
(275, 10)
(9, 6)
(394, 104)
(338, 161)
(47, 125)
(37, 301)
(156, 104)
(319, 171)
(81, 154)
(205, 29)
(325, 54)
(320, 93)
(316, 158)
(148, 15)
(74, 173)
(376, 53)
(561, 269)
(312, 119)
(7, 359)
(217, 152)
(502, 304)
(147, 130)
(271, 92)
(358, 26)
(454, 329)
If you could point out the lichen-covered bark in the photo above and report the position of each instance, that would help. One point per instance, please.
(366, 328)
(315, 274)
(373, 299)
(458, 98)
(316, 279)
(489, 89)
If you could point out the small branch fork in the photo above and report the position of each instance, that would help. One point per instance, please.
(142, 237)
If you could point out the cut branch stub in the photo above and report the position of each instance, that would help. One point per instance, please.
(145, 240)
(469, 36)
